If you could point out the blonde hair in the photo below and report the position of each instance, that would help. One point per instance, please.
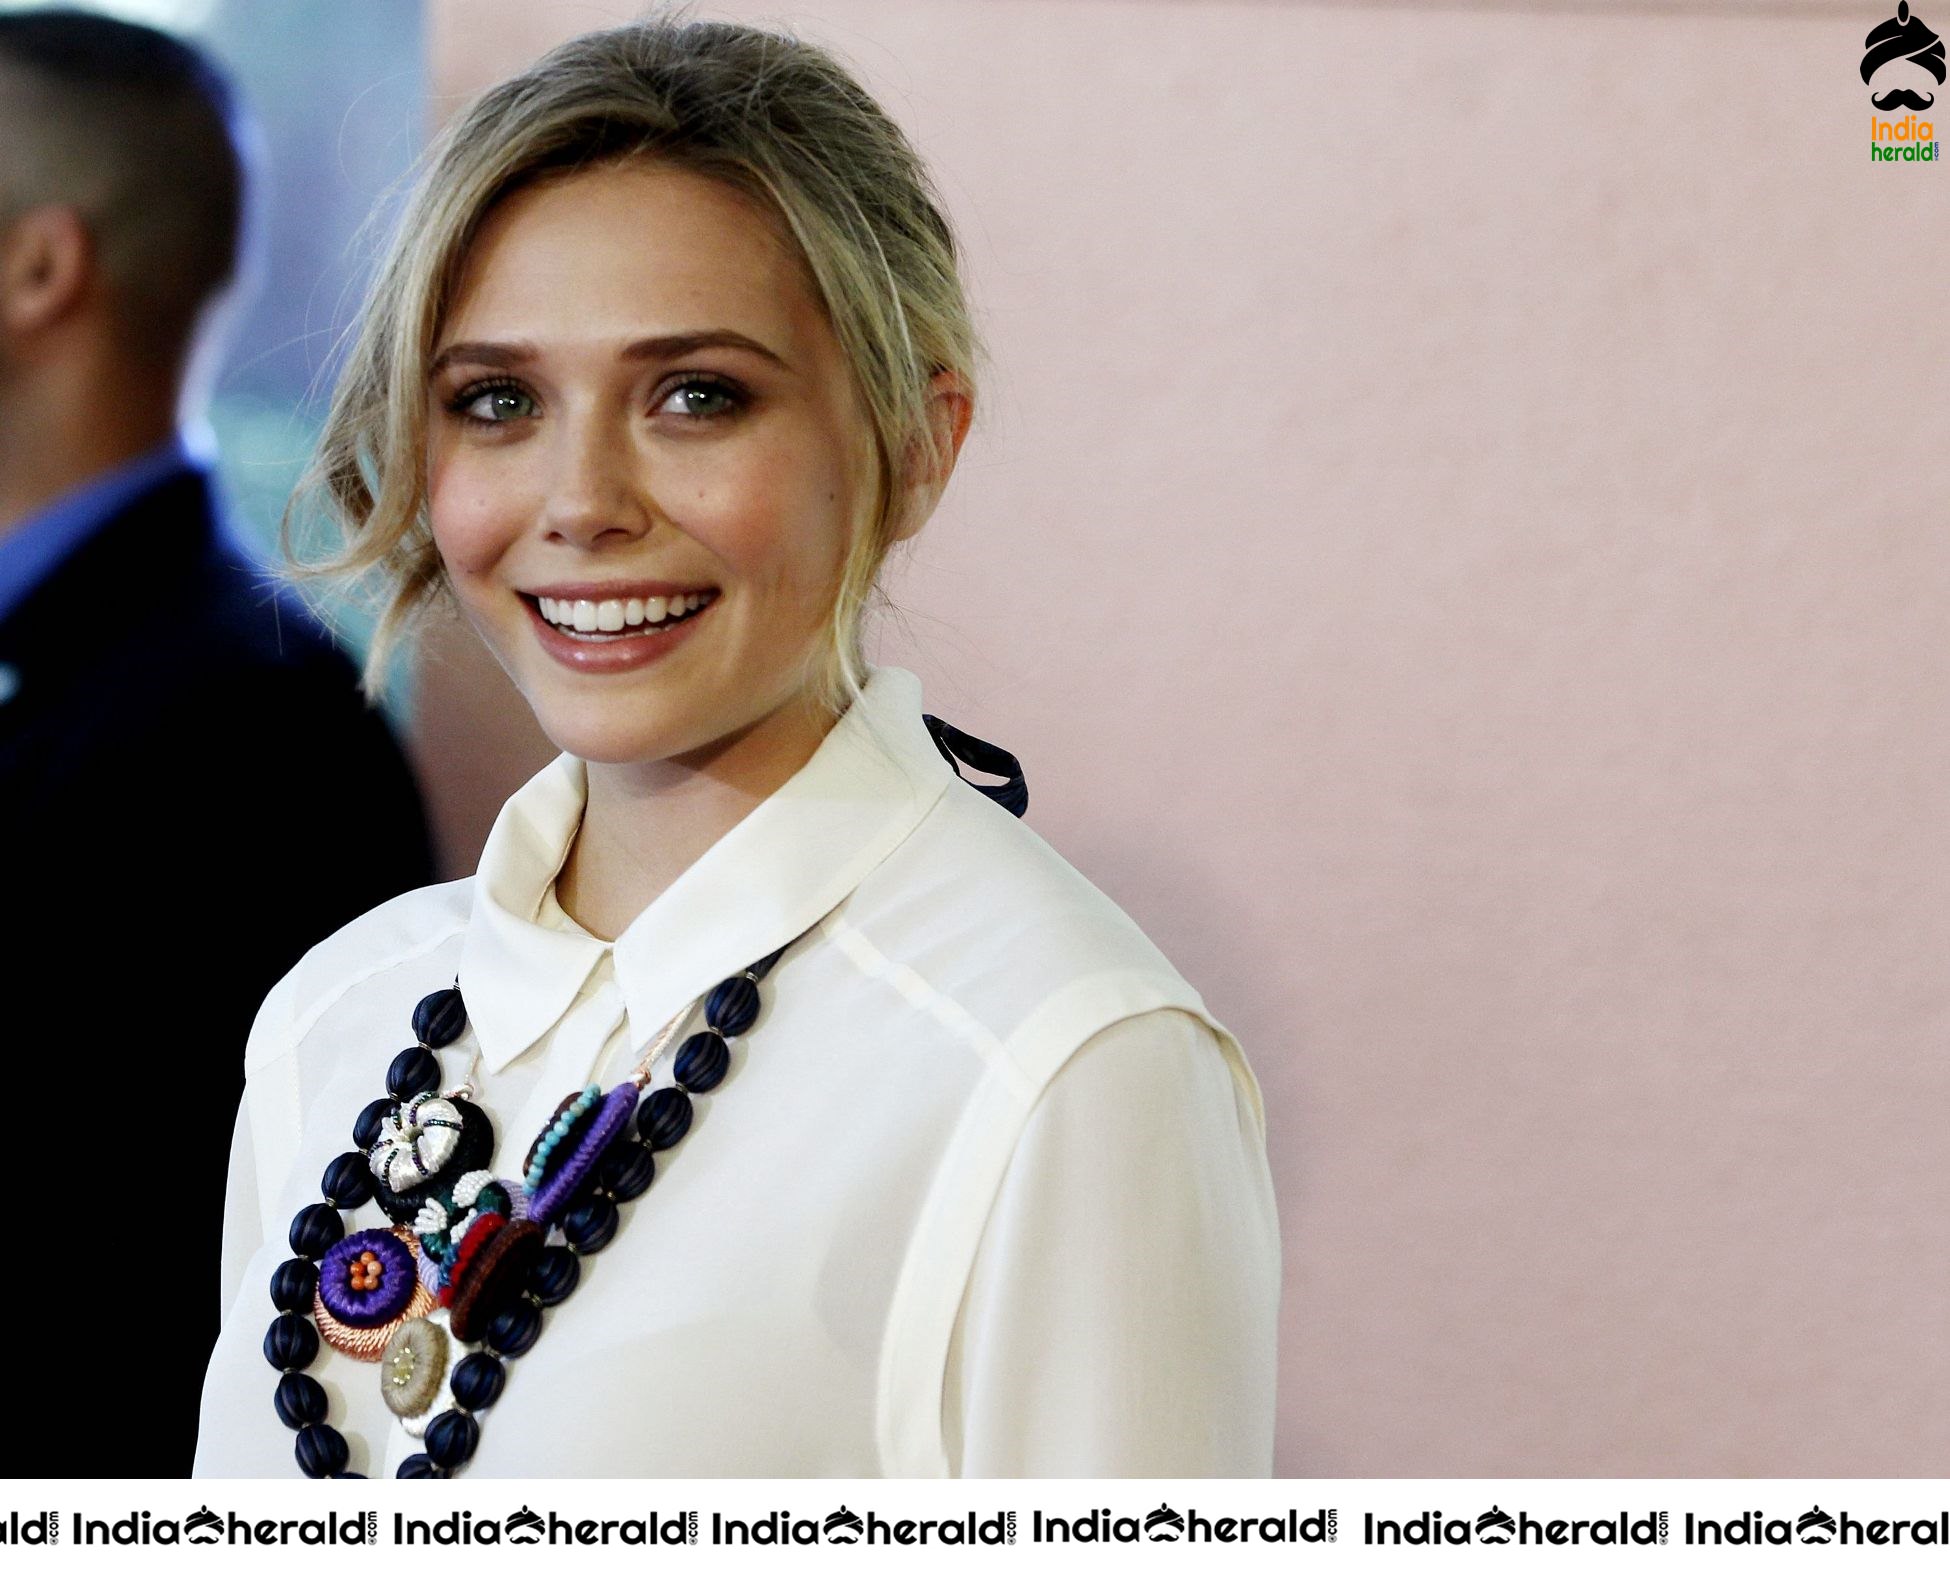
(766, 114)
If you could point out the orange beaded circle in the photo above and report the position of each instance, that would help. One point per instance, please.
(367, 1343)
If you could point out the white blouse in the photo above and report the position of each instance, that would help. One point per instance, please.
(984, 1192)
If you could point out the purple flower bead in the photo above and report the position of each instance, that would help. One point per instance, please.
(362, 1293)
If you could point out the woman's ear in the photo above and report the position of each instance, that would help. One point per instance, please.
(951, 407)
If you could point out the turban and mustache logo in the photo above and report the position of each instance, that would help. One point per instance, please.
(1903, 37)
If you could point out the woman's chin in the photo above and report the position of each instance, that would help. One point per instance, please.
(606, 740)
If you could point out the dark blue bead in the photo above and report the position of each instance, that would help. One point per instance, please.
(513, 1332)
(702, 1062)
(477, 1381)
(626, 1170)
(733, 1006)
(413, 1071)
(348, 1180)
(664, 1118)
(366, 1128)
(418, 1466)
(591, 1225)
(554, 1275)
(451, 1438)
(291, 1343)
(294, 1283)
(440, 1018)
(316, 1229)
(322, 1451)
(300, 1400)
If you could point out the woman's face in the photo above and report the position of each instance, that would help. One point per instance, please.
(644, 461)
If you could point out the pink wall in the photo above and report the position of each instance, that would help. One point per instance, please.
(1456, 537)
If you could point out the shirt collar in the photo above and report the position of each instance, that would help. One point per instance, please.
(42, 541)
(772, 876)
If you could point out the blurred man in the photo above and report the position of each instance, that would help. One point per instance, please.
(191, 791)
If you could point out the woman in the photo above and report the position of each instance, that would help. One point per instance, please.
(670, 350)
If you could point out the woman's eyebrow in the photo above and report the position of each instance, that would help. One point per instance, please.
(663, 347)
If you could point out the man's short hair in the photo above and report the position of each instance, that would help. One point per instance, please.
(136, 130)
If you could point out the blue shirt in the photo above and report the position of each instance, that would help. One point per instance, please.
(42, 541)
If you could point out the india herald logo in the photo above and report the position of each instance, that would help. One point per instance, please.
(1902, 67)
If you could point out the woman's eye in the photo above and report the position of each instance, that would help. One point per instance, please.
(702, 398)
(493, 404)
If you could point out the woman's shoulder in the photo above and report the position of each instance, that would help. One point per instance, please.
(1090, 1047)
(977, 907)
(972, 862)
(393, 934)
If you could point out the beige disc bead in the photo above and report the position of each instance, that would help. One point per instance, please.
(412, 1367)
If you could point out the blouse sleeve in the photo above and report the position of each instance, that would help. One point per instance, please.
(265, 1058)
(1120, 1317)
(242, 1233)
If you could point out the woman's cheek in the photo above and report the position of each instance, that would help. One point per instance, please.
(785, 543)
(470, 523)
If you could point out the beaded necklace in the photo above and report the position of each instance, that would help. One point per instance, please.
(476, 1247)
(465, 1241)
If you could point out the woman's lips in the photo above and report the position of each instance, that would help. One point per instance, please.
(603, 652)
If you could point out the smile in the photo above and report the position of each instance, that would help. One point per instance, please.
(603, 621)
(597, 634)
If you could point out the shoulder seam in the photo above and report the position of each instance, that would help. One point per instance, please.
(934, 1271)
(871, 961)
(303, 1021)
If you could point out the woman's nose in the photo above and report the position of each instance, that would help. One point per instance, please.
(593, 492)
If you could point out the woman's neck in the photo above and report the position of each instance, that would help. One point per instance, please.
(644, 824)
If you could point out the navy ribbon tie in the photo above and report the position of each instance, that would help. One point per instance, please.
(958, 748)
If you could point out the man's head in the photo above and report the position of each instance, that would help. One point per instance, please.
(121, 188)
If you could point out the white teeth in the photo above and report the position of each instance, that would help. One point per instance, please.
(613, 616)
